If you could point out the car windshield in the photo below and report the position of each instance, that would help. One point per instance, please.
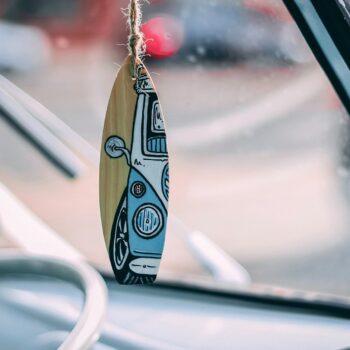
(258, 139)
(154, 128)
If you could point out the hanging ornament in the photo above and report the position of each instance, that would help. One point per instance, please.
(134, 171)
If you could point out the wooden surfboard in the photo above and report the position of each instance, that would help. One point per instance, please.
(134, 177)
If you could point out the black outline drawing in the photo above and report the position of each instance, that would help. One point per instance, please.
(119, 242)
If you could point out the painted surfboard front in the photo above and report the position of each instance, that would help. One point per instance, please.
(134, 178)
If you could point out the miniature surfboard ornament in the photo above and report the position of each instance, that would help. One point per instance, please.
(134, 170)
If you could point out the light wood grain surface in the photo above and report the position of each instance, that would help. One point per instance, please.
(119, 121)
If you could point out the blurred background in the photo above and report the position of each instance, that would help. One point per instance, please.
(258, 140)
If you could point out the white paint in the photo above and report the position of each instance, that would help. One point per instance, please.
(151, 167)
(145, 266)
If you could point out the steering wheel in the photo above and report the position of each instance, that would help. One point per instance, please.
(86, 331)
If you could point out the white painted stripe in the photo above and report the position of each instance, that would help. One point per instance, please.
(145, 266)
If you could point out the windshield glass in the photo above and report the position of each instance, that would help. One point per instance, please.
(258, 140)
(154, 128)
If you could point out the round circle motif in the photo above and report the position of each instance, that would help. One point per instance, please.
(113, 146)
(148, 220)
(138, 189)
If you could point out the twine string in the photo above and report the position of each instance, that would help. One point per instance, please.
(136, 44)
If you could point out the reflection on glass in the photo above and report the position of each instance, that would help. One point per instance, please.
(257, 138)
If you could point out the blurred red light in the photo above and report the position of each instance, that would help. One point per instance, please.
(163, 36)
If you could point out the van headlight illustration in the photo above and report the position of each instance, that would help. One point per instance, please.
(138, 230)
(148, 221)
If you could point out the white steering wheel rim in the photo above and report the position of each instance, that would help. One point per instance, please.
(87, 329)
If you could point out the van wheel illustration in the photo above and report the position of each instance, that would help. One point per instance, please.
(120, 250)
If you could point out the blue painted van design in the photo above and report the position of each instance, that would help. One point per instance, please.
(148, 219)
(138, 231)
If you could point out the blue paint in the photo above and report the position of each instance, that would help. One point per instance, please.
(147, 214)
(165, 182)
(157, 145)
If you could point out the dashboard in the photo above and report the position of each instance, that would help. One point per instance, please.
(39, 312)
